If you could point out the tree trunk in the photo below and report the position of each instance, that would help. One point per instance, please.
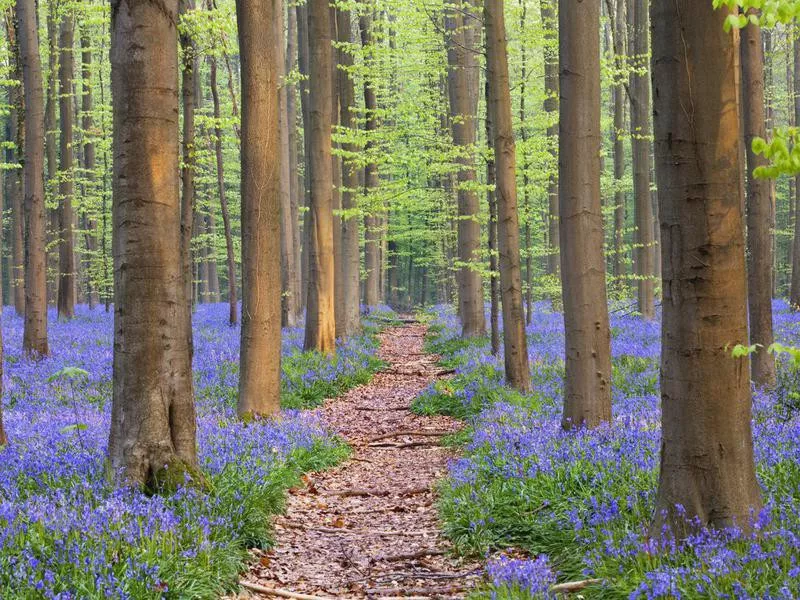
(34, 342)
(336, 190)
(707, 465)
(463, 84)
(305, 102)
(491, 197)
(66, 234)
(760, 211)
(587, 386)
(288, 265)
(794, 292)
(618, 93)
(320, 319)
(516, 348)
(153, 430)
(211, 257)
(295, 186)
(550, 24)
(233, 312)
(51, 154)
(259, 383)
(89, 164)
(190, 93)
(351, 263)
(16, 192)
(372, 236)
(640, 150)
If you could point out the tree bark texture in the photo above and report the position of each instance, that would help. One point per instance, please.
(66, 217)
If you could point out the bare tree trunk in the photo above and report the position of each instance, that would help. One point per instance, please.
(259, 383)
(51, 155)
(794, 292)
(289, 316)
(351, 263)
(305, 101)
(462, 38)
(707, 465)
(491, 197)
(760, 211)
(233, 312)
(587, 385)
(190, 93)
(515, 343)
(34, 341)
(526, 199)
(640, 147)
(320, 318)
(211, 258)
(336, 191)
(89, 163)
(550, 24)
(295, 187)
(618, 93)
(372, 236)
(66, 235)
(16, 193)
(153, 430)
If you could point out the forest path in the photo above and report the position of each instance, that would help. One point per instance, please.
(369, 527)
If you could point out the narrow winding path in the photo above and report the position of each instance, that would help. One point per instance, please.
(369, 527)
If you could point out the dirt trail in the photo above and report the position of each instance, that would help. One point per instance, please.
(369, 527)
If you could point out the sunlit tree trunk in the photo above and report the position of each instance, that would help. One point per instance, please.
(153, 429)
(34, 341)
(760, 210)
(707, 465)
(320, 318)
(351, 263)
(372, 235)
(462, 38)
(499, 106)
(66, 218)
(259, 383)
(587, 384)
(233, 301)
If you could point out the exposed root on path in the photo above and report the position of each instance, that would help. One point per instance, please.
(369, 527)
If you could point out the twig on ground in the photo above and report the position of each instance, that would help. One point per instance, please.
(573, 586)
(409, 432)
(261, 589)
(412, 555)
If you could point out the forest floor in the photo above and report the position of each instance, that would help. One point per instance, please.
(369, 527)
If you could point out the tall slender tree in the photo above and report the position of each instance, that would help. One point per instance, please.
(514, 340)
(707, 465)
(794, 291)
(34, 340)
(617, 14)
(760, 209)
(320, 318)
(640, 146)
(190, 95)
(153, 430)
(550, 24)
(351, 263)
(89, 162)
(463, 85)
(587, 385)
(260, 371)
(66, 216)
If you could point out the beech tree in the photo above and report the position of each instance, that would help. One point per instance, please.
(190, 95)
(707, 464)
(260, 353)
(499, 107)
(463, 85)
(320, 317)
(760, 209)
(66, 216)
(153, 429)
(587, 384)
(34, 340)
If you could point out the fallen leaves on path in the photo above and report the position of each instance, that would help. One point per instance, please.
(369, 527)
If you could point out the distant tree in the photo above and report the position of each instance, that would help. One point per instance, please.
(320, 317)
(760, 209)
(260, 371)
(587, 383)
(619, 95)
(514, 340)
(190, 95)
(463, 85)
(34, 341)
(89, 164)
(550, 24)
(153, 430)
(794, 292)
(66, 217)
(707, 465)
